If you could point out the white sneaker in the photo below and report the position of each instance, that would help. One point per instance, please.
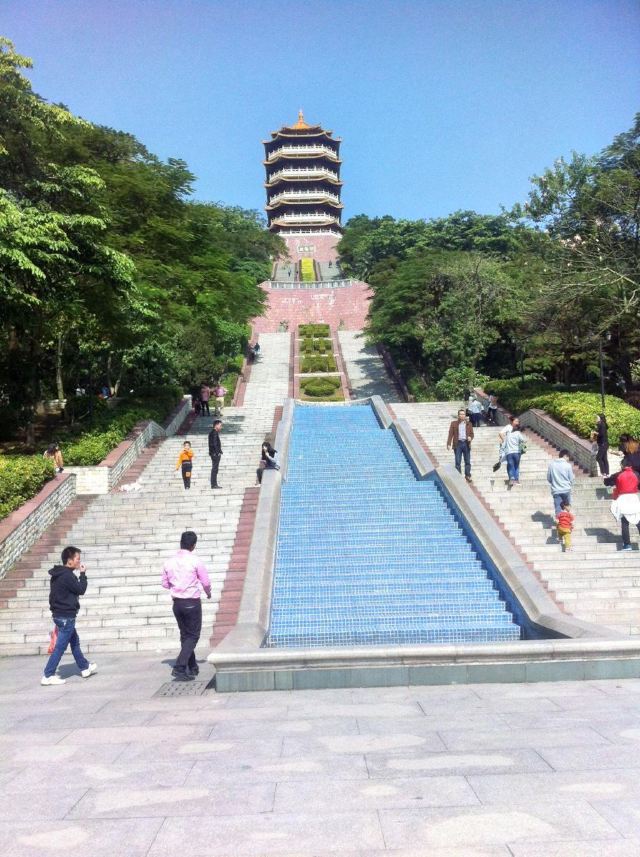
(52, 679)
(90, 670)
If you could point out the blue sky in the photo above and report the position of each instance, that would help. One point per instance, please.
(441, 104)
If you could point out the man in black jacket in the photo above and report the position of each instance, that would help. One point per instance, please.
(215, 452)
(64, 592)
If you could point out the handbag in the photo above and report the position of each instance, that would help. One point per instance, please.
(53, 639)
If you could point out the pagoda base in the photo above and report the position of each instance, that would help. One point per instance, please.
(319, 246)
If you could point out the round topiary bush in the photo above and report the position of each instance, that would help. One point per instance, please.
(321, 387)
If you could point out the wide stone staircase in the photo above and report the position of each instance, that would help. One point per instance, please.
(365, 368)
(126, 536)
(596, 581)
(366, 553)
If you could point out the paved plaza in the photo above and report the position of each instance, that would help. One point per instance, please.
(104, 768)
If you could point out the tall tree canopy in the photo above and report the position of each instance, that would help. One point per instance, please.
(106, 266)
(539, 287)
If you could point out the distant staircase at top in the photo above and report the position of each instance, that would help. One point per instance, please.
(307, 270)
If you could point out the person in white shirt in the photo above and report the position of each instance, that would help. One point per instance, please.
(511, 450)
(475, 412)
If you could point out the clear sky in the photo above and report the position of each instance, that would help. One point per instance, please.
(441, 104)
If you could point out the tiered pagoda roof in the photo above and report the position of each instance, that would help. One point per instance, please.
(302, 164)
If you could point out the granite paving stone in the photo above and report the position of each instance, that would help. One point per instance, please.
(509, 737)
(258, 729)
(313, 774)
(623, 814)
(223, 750)
(42, 803)
(577, 848)
(372, 743)
(117, 838)
(88, 775)
(591, 758)
(225, 799)
(268, 834)
(330, 795)
(543, 822)
(382, 765)
(279, 770)
(525, 789)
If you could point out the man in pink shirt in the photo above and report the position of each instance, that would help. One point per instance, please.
(184, 575)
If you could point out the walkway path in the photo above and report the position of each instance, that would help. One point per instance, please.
(365, 368)
(126, 536)
(536, 770)
(596, 581)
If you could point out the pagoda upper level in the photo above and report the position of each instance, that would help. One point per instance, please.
(302, 164)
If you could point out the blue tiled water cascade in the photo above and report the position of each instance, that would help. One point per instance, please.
(366, 553)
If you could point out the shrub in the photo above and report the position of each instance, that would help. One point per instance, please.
(321, 387)
(21, 477)
(111, 426)
(456, 380)
(313, 330)
(575, 410)
(318, 363)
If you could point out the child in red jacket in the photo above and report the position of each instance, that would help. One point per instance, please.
(565, 524)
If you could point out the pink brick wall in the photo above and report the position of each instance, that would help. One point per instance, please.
(322, 248)
(348, 305)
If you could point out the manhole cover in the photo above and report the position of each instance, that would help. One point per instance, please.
(183, 688)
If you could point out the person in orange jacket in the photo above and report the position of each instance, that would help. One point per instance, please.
(184, 461)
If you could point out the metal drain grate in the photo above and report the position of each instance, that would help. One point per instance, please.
(184, 688)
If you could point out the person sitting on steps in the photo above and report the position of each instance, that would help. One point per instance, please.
(54, 453)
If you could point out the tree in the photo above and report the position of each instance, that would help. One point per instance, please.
(589, 208)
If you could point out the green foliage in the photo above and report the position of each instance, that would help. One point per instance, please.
(456, 380)
(318, 346)
(322, 388)
(368, 242)
(21, 477)
(108, 273)
(111, 425)
(441, 310)
(305, 330)
(575, 410)
(319, 363)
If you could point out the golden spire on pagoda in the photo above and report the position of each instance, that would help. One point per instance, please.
(301, 125)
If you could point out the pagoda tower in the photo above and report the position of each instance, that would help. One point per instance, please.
(303, 183)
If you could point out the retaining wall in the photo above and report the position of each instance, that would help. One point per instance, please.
(22, 528)
(551, 430)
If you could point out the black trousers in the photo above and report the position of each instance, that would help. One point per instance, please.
(215, 464)
(186, 473)
(603, 461)
(205, 407)
(188, 613)
(626, 538)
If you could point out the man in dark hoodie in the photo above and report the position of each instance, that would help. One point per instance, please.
(64, 602)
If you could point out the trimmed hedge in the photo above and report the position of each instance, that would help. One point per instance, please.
(318, 363)
(320, 387)
(313, 330)
(320, 346)
(21, 477)
(577, 411)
